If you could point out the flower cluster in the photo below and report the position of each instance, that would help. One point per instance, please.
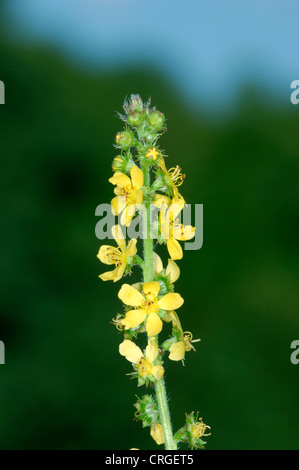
(193, 431)
(153, 303)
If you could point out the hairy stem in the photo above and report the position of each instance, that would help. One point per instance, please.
(170, 443)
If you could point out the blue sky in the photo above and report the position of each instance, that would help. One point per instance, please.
(206, 48)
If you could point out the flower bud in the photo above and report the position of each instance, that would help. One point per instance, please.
(124, 139)
(117, 164)
(152, 153)
(136, 103)
(157, 119)
(122, 163)
(135, 119)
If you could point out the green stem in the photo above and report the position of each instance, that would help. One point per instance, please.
(170, 443)
(148, 272)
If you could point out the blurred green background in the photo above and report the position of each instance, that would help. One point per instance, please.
(64, 385)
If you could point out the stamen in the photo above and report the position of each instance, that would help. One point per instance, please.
(143, 367)
(125, 193)
(114, 254)
(117, 322)
(187, 337)
(176, 176)
(199, 429)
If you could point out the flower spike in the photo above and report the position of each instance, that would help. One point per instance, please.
(146, 193)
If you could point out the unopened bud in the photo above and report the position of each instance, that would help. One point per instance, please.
(157, 119)
(122, 163)
(136, 103)
(135, 119)
(124, 139)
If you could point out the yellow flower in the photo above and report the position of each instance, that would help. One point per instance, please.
(152, 153)
(172, 270)
(128, 193)
(174, 177)
(143, 362)
(147, 306)
(118, 256)
(177, 350)
(157, 433)
(172, 230)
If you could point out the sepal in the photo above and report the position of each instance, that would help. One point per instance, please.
(147, 410)
(192, 432)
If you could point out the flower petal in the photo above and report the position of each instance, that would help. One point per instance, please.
(165, 223)
(184, 232)
(178, 199)
(173, 317)
(161, 200)
(158, 266)
(105, 253)
(131, 248)
(174, 249)
(109, 275)
(119, 237)
(173, 271)
(171, 301)
(157, 433)
(131, 351)
(177, 351)
(153, 324)
(137, 177)
(151, 288)
(173, 211)
(151, 350)
(128, 214)
(139, 199)
(120, 179)
(130, 296)
(133, 318)
(118, 191)
(119, 272)
(162, 165)
(158, 372)
(117, 205)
